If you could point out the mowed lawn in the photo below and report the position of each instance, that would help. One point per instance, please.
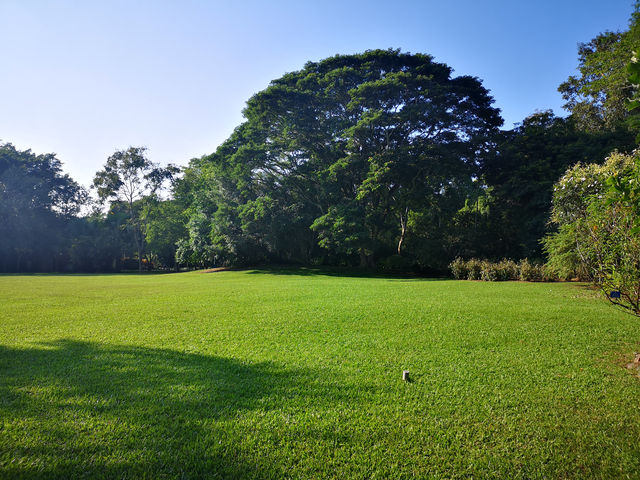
(297, 374)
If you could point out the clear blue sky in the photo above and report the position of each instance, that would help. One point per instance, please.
(84, 78)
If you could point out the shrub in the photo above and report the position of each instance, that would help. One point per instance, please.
(532, 272)
(527, 271)
(597, 211)
(564, 261)
(459, 269)
(474, 269)
(548, 274)
(489, 271)
(500, 271)
(503, 270)
(508, 270)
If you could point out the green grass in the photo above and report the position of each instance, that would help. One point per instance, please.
(276, 374)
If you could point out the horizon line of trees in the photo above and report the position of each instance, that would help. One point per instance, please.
(382, 159)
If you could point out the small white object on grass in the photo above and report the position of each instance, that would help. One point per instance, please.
(405, 375)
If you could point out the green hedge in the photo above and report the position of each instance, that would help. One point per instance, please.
(503, 270)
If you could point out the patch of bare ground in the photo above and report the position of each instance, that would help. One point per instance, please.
(626, 358)
(635, 364)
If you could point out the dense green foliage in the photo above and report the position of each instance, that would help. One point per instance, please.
(596, 209)
(349, 160)
(352, 157)
(526, 163)
(37, 207)
(297, 374)
(131, 180)
(382, 159)
(597, 98)
(50, 224)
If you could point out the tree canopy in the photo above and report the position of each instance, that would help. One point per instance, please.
(381, 159)
(37, 203)
(597, 97)
(335, 160)
(129, 178)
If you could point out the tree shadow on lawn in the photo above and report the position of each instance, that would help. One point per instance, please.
(340, 272)
(127, 273)
(586, 290)
(74, 409)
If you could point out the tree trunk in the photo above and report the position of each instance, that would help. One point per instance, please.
(403, 230)
(137, 232)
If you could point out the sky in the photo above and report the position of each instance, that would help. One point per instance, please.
(85, 78)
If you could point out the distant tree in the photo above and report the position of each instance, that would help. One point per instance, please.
(164, 226)
(38, 202)
(129, 177)
(99, 240)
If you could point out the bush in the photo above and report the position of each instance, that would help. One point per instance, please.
(597, 211)
(459, 269)
(503, 270)
(529, 272)
(474, 269)
(564, 261)
(500, 271)
(533, 272)
(489, 271)
(508, 270)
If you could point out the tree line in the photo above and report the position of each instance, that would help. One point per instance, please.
(383, 159)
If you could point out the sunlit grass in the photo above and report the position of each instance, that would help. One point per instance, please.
(275, 374)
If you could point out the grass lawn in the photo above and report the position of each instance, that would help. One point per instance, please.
(297, 374)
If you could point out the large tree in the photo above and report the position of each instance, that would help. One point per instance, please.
(418, 132)
(129, 177)
(352, 146)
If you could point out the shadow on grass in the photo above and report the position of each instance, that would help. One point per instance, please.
(73, 409)
(340, 272)
(128, 273)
